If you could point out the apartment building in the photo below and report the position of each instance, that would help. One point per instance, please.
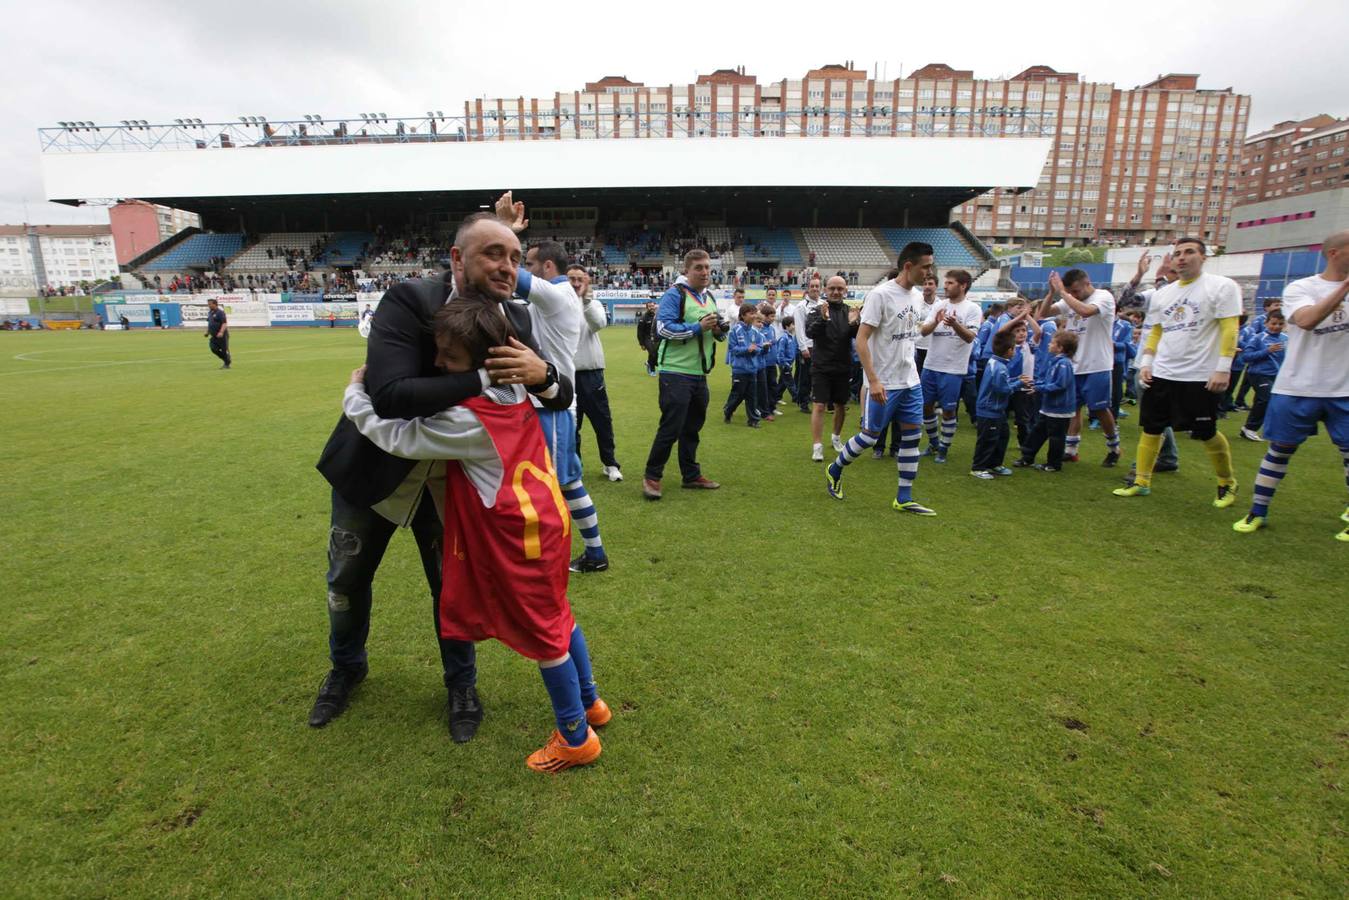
(1149, 163)
(33, 257)
(1294, 158)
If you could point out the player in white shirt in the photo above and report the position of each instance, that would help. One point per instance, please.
(556, 316)
(1186, 364)
(885, 339)
(950, 329)
(1313, 383)
(1089, 313)
(920, 346)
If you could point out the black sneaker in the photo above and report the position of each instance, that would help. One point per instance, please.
(1110, 460)
(335, 694)
(1046, 467)
(465, 713)
(1159, 468)
(1021, 463)
(585, 563)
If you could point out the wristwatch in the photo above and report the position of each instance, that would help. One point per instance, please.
(547, 382)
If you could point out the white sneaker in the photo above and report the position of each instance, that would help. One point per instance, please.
(1250, 435)
(612, 473)
(817, 453)
(982, 474)
(838, 443)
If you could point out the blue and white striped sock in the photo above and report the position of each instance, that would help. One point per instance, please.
(857, 445)
(1272, 469)
(1071, 448)
(587, 521)
(908, 464)
(930, 426)
(1112, 442)
(948, 431)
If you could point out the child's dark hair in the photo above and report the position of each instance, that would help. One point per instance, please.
(788, 321)
(1002, 342)
(1274, 314)
(746, 309)
(1067, 342)
(766, 309)
(475, 325)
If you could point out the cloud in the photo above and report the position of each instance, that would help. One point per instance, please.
(161, 60)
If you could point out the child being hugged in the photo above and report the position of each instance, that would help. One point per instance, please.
(507, 529)
(1058, 402)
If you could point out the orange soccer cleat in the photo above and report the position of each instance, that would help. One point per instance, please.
(598, 713)
(557, 754)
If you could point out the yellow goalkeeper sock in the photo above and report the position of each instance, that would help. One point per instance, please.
(1220, 455)
(1149, 445)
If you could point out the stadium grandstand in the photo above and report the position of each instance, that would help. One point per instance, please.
(289, 210)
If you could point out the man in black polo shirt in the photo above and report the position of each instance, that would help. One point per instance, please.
(218, 332)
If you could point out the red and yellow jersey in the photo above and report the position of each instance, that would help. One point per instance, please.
(505, 566)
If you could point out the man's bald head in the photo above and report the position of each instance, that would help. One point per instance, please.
(1337, 241)
(836, 288)
(1336, 250)
(485, 258)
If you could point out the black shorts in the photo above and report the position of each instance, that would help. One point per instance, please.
(829, 387)
(1180, 405)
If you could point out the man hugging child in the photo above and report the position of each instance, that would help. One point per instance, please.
(507, 529)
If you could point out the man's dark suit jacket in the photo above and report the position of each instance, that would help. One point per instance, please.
(404, 383)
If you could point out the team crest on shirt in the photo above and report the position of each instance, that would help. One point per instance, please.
(1184, 313)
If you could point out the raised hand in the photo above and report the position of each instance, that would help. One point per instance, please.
(1055, 284)
(1144, 263)
(511, 212)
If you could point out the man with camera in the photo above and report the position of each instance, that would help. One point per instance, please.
(689, 328)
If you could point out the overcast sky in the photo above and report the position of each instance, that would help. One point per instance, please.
(146, 59)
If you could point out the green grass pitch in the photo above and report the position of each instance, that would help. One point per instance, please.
(1043, 691)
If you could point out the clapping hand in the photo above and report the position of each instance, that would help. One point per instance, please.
(358, 375)
(1055, 284)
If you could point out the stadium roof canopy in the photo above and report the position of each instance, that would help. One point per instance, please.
(832, 176)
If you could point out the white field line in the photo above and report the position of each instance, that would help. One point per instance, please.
(196, 357)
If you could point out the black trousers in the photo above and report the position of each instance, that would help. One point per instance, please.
(357, 539)
(1263, 385)
(803, 382)
(919, 357)
(220, 346)
(969, 389)
(785, 384)
(1025, 408)
(742, 391)
(1116, 388)
(991, 444)
(592, 399)
(683, 409)
(1053, 429)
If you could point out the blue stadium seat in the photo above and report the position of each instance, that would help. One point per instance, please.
(196, 251)
(777, 244)
(345, 248)
(947, 247)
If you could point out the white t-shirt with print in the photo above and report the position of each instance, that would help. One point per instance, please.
(949, 352)
(924, 342)
(894, 313)
(1095, 344)
(1191, 337)
(1315, 362)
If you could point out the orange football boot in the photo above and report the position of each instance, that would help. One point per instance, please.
(557, 754)
(598, 713)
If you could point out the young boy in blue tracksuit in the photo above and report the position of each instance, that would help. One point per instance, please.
(768, 361)
(1264, 356)
(1122, 334)
(995, 392)
(742, 354)
(785, 352)
(1058, 402)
